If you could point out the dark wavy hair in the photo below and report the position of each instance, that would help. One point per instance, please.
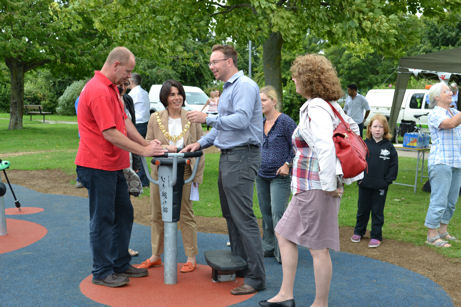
(316, 77)
(166, 89)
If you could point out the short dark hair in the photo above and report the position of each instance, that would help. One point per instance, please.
(228, 51)
(136, 78)
(352, 86)
(166, 89)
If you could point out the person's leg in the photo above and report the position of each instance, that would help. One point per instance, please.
(363, 211)
(122, 226)
(361, 129)
(156, 223)
(142, 129)
(377, 213)
(322, 272)
(289, 254)
(101, 187)
(238, 172)
(440, 177)
(280, 194)
(264, 199)
(187, 223)
(453, 195)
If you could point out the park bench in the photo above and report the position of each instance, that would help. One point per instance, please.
(35, 110)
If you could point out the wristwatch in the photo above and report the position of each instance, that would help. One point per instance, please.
(288, 164)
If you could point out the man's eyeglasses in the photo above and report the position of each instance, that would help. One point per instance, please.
(213, 63)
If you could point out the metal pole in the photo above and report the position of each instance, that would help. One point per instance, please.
(170, 275)
(3, 231)
(249, 59)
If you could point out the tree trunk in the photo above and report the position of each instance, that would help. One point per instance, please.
(272, 59)
(17, 93)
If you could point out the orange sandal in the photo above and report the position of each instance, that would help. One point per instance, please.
(148, 264)
(188, 267)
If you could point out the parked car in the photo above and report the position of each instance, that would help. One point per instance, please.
(195, 98)
(414, 102)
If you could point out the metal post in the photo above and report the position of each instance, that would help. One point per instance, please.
(170, 240)
(3, 231)
(249, 59)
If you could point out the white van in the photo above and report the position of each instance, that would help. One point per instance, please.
(195, 98)
(415, 102)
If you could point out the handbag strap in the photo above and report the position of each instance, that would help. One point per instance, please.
(348, 127)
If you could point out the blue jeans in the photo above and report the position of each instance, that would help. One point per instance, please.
(273, 195)
(445, 183)
(111, 220)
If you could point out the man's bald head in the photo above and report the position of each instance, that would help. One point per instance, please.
(119, 54)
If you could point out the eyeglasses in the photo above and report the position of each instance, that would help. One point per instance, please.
(213, 63)
(447, 92)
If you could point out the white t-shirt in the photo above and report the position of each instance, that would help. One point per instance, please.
(355, 107)
(141, 104)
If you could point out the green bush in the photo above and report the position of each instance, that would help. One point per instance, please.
(5, 96)
(66, 103)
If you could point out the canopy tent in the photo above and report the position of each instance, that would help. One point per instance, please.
(445, 61)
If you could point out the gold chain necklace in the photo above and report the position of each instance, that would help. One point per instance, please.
(166, 134)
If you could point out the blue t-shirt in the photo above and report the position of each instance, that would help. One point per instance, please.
(277, 147)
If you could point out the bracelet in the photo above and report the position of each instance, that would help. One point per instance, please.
(288, 164)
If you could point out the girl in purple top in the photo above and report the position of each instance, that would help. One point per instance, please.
(273, 180)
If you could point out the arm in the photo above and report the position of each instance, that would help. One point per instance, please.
(133, 133)
(244, 96)
(367, 112)
(118, 139)
(451, 123)
(393, 168)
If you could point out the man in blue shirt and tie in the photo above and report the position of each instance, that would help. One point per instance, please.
(237, 131)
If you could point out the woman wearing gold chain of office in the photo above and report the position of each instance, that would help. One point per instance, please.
(171, 127)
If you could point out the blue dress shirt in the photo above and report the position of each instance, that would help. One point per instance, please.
(239, 120)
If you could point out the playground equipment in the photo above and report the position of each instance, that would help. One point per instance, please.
(3, 166)
(170, 181)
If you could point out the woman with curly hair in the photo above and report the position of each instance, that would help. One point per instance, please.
(311, 219)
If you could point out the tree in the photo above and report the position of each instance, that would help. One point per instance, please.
(43, 33)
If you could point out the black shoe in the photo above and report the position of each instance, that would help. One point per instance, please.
(112, 280)
(287, 303)
(134, 272)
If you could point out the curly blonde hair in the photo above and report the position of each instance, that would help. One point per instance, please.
(316, 77)
(383, 120)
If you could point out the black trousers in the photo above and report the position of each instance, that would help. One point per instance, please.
(237, 173)
(371, 200)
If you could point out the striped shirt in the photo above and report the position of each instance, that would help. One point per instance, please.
(446, 143)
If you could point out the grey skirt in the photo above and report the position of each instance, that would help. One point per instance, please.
(311, 220)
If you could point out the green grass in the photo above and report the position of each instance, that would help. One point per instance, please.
(53, 146)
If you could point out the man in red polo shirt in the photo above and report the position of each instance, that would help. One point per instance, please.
(106, 137)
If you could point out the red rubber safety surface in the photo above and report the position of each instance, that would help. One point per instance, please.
(24, 210)
(192, 289)
(20, 234)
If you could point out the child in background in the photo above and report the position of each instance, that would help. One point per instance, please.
(382, 170)
(213, 102)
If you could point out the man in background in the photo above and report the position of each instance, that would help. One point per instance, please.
(141, 107)
(355, 105)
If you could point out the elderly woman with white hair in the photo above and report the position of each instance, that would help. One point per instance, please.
(444, 165)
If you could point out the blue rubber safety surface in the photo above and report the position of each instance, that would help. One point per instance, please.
(49, 272)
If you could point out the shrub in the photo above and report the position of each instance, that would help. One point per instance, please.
(66, 103)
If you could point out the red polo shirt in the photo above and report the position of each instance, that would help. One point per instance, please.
(99, 109)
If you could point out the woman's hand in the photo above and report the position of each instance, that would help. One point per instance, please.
(336, 193)
(284, 170)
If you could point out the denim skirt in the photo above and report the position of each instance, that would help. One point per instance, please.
(311, 220)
